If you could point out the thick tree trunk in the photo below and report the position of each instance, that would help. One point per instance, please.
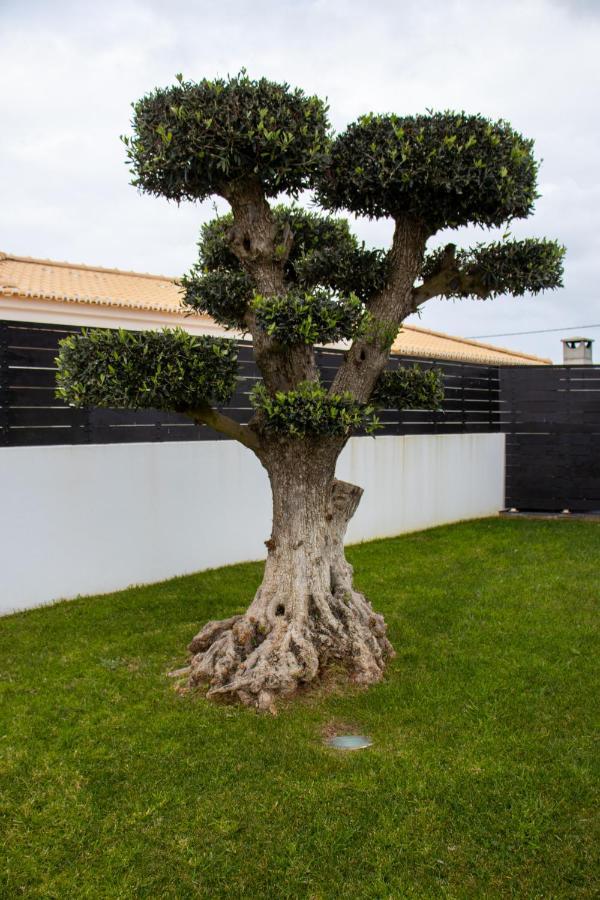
(306, 614)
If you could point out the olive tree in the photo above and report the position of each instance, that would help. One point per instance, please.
(293, 279)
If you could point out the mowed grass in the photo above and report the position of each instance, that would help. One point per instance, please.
(480, 781)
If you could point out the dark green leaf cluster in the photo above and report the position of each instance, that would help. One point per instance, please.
(309, 411)
(410, 388)
(222, 293)
(442, 169)
(311, 231)
(168, 369)
(193, 140)
(214, 247)
(345, 269)
(324, 253)
(517, 267)
(299, 317)
(504, 267)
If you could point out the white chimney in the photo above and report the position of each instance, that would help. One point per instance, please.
(577, 351)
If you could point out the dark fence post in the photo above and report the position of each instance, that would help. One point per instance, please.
(4, 394)
(463, 397)
(509, 427)
(492, 419)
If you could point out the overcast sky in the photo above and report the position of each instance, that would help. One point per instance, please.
(69, 72)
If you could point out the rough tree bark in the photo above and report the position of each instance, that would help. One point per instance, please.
(306, 614)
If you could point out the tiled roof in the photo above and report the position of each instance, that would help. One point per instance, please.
(44, 279)
(413, 341)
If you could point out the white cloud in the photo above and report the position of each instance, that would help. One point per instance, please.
(70, 70)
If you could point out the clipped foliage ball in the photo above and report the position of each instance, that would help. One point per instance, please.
(504, 267)
(167, 369)
(410, 388)
(324, 253)
(223, 294)
(193, 140)
(310, 411)
(345, 269)
(443, 169)
(214, 246)
(301, 317)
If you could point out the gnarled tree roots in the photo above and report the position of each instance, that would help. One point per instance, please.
(256, 663)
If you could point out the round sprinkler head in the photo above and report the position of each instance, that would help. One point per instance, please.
(349, 742)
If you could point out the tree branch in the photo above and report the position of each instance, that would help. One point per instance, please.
(448, 278)
(511, 267)
(216, 420)
(368, 355)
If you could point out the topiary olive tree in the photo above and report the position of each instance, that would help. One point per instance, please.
(293, 279)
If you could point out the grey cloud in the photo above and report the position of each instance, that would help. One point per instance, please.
(70, 71)
(581, 7)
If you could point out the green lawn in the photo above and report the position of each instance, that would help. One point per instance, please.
(480, 782)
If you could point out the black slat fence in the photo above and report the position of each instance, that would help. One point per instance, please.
(30, 414)
(550, 414)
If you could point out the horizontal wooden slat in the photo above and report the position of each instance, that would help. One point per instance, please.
(37, 437)
(107, 417)
(33, 357)
(31, 378)
(32, 396)
(42, 416)
(42, 337)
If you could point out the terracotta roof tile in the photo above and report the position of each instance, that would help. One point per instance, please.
(26, 277)
(413, 341)
(50, 280)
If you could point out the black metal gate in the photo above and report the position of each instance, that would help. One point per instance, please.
(552, 421)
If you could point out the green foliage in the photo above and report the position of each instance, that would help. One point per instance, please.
(374, 331)
(169, 369)
(324, 253)
(345, 268)
(222, 293)
(311, 231)
(439, 170)
(214, 248)
(310, 411)
(299, 317)
(444, 169)
(410, 388)
(192, 140)
(505, 267)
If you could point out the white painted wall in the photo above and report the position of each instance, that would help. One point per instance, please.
(91, 519)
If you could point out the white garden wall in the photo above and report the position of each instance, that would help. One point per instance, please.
(90, 519)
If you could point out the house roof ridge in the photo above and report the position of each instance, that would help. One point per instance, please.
(64, 264)
(473, 343)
